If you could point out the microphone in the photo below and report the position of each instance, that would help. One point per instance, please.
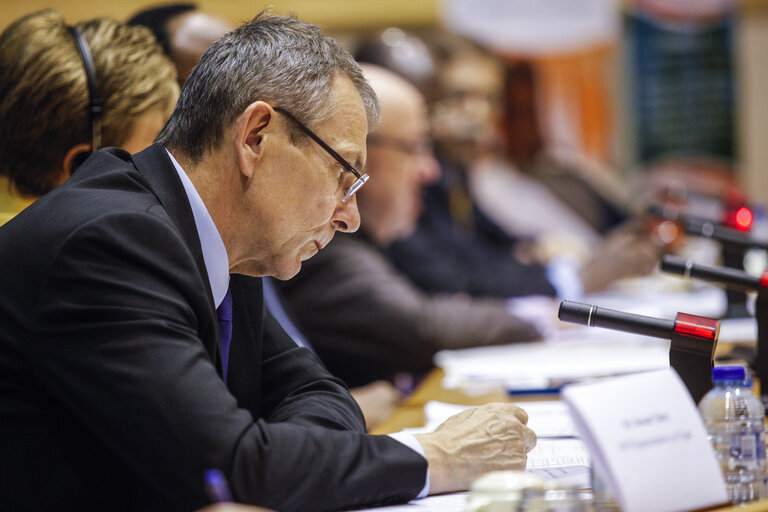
(734, 279)
(734, 244)
(593, 316)
(715, 231)
(728, 276)
(693, 338)
(705, 228)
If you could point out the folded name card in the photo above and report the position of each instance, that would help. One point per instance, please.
(645, 432)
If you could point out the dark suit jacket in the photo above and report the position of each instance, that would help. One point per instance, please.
(442, 256)
(110, 389)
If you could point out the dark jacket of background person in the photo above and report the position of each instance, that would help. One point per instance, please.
(367, 321)
(111, 396)
(441, 256)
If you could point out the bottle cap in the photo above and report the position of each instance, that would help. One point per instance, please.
(726, 373)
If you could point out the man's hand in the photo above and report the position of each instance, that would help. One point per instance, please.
(471, 443)
(623, 253)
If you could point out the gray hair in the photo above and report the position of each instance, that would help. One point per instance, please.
(276, 59)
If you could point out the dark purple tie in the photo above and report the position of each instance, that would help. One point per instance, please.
(224, 312)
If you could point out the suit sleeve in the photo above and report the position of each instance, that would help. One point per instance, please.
(116, 342)
(295, 386)
(368, 321)
(466, 264)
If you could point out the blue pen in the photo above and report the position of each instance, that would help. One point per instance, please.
(216, 486)
(533, 391)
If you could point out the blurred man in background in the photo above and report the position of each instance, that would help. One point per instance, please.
(395, 327)
(183, 31)
(464, 233)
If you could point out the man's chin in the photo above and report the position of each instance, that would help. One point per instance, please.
(285, 270)
(281, 272)
(286, 275)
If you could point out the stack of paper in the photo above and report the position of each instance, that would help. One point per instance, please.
(574, 354)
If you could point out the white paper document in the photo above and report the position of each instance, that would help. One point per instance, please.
(646, 432)
(554, 453)
(577, 476)
(663, 295)
(575, 354)
(455, 502)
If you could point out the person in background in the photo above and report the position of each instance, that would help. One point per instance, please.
(395, 327)
(44, 99)
(444, 254)
(185, 33)
(569, 208)
(131, 310)
(459, 231)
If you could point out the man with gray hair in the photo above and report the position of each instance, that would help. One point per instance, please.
(132, 362)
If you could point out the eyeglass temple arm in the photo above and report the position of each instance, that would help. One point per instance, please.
(320, 141)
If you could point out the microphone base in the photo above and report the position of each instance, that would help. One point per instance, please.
(693, 359)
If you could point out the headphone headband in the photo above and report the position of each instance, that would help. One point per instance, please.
(95, 109)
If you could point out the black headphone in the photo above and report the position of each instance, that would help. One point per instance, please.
(95, 108)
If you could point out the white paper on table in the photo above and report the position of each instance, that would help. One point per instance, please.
(572, 476)
(558, 453)
(663, 295)
(646, 432)
(455, 502)
(738, 330)
(575, 354)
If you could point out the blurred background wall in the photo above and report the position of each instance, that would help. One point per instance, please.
(333, 15)
(589, 90)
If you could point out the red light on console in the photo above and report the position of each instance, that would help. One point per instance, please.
(764, 279)
(743, 219)
(697, 326)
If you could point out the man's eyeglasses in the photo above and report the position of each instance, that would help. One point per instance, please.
(361, 178)
(419, 147)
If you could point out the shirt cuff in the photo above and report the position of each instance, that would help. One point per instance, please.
(411, 442)
(563, 274)
(536, 310)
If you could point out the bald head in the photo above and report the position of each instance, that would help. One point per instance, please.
(400, 159)
(189, 35)
(397, 98)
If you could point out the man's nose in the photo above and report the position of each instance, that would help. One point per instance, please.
(346, 218)
(428, 169)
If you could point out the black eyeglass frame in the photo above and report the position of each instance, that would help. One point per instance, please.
(425, 147)
(361, 177)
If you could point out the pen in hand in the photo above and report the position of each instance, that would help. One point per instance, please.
(216, 486)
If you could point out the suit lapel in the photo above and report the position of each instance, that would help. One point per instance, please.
(244, 374)
(156, 167)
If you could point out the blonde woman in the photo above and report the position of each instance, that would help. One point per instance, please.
(45, 98)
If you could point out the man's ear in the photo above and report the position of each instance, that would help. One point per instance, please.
(257, 125)
(74, 158)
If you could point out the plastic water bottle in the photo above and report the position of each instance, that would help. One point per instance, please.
(735, 421)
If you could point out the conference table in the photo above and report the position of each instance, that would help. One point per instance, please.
(411, 414)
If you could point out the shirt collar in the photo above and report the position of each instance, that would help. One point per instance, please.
(214, 253)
